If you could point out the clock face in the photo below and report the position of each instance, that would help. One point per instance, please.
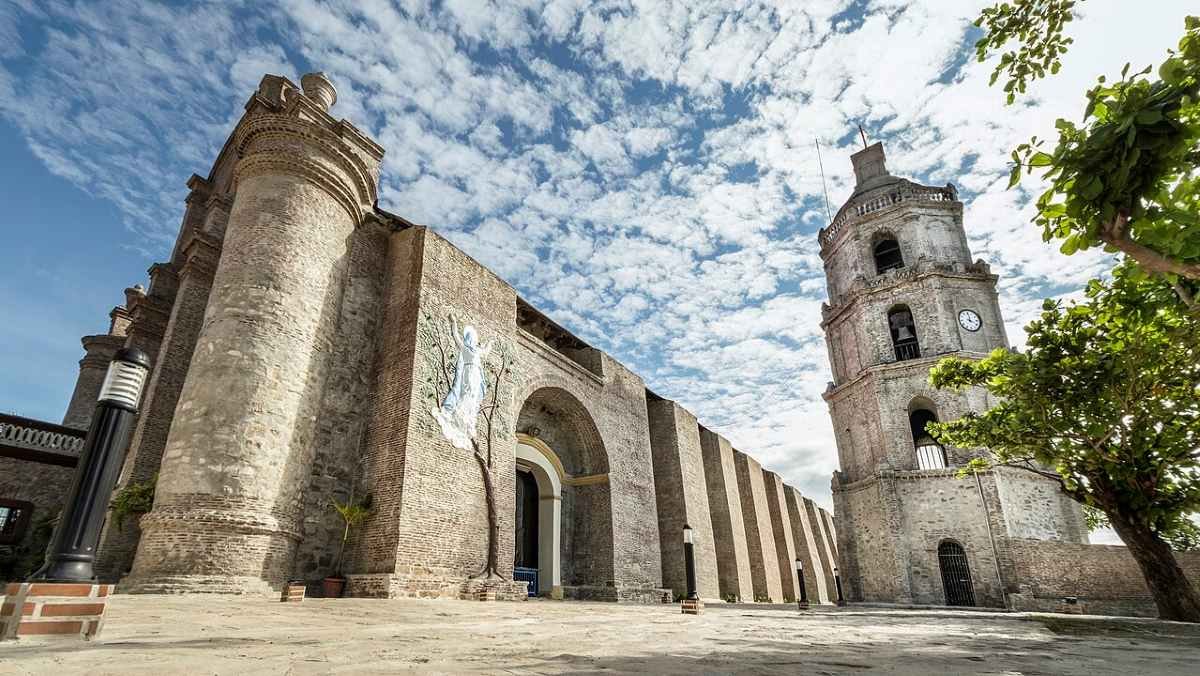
(969, 320)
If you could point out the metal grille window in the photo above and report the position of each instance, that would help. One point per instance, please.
(888, 256)
(14, 520)
(956, 574)
(904, 334)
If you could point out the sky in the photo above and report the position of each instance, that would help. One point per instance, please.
(643, 172)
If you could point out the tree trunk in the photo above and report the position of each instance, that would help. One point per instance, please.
(491, 569)
(1174, 595)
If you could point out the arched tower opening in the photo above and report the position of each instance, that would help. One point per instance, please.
(904, 333)
(574, 531)
(930, 454)
(887, 255)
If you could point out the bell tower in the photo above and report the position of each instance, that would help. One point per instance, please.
(904, 293)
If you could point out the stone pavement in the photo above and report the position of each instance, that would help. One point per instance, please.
(250, 635)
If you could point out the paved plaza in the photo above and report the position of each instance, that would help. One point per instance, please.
(241, 635)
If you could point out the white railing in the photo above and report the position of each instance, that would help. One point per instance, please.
(35, 435)
(907, 192)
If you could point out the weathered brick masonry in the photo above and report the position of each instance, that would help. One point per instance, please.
(301, 339)
(904, 293)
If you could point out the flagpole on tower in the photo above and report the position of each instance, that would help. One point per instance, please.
(824, 188)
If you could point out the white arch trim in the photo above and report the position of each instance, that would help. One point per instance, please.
(540, 460)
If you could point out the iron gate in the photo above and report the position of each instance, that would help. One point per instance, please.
(956, 574)
(528, 576)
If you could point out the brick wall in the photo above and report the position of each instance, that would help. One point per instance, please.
(337, 467)
(45, 486)
(1104, 578)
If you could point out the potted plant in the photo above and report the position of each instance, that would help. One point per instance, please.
(352, 514)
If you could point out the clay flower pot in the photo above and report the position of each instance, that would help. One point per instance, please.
(331, 587)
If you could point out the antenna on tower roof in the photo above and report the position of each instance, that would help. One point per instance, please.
(824, 188)
(863, 134)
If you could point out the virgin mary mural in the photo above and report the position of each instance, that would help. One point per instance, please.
(459, 410)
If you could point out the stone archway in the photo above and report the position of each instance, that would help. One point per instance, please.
(539, 460)
(559, 443)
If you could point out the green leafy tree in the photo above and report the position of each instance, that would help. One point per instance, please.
(1036, 26)
(1125, 178)
(1106, 401)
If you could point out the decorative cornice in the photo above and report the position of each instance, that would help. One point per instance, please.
(901, 475)
(866, 286)
(837, 391)
(275, 143)
(884, 199)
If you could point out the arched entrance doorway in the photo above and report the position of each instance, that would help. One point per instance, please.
(562, 452)
(537, 556)
(956, 574)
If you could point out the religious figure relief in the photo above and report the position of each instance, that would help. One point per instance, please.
(460, 409)
(468, 386)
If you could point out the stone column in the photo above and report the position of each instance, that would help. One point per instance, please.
(199, 259)
(98, 352)
(226, 508)
(151, 311)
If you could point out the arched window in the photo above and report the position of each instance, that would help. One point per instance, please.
(904, 333)
(930, 454)
(888, 256)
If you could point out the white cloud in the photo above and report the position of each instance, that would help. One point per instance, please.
(644, 171)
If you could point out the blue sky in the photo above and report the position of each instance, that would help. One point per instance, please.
(643, 172)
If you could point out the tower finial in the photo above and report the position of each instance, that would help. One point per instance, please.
(317, 87)
(863, 134)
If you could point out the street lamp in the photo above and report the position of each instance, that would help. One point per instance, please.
(691, 602)
(689, 560)
(802, 599)
(73, 549)
(837, 581)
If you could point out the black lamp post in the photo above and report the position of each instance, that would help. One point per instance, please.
(802, 598)
(837, 582)
(689, 562)
(73, 549)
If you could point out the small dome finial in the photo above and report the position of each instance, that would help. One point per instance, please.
(318, 88)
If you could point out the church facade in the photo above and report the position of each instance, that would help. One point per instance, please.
(311, 349)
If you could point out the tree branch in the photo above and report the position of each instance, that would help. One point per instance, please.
(1116, 234)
